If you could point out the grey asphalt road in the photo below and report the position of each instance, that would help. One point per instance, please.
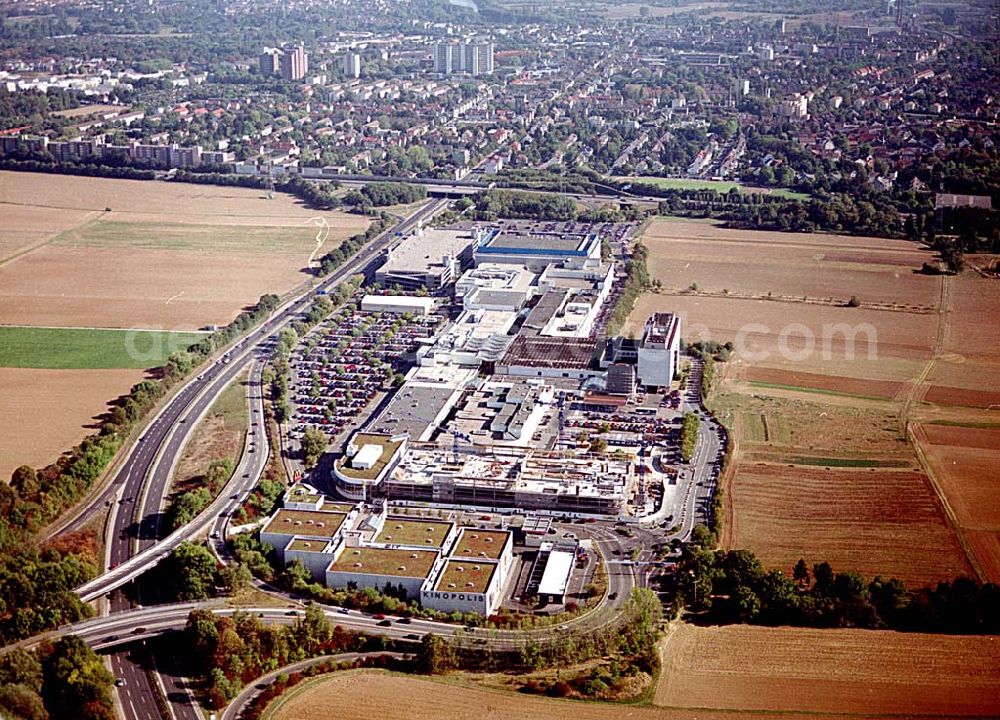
(138, 490)
(234, 708)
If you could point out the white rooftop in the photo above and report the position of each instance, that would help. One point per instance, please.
(424, 304)
(367, 456)
(555, 579)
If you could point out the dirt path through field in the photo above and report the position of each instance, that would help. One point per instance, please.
(87, 219)
(915, 433)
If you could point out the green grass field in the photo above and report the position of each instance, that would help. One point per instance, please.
(722, 186)
(817, 391)
(89, 349)
(160, 236)
(846, 462)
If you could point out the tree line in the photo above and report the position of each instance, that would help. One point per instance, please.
(633, 639)
(689, 435)
(836, 212)
(732, 586)
(36, 583)
(383, 194)
(637, 282)
(226, 653)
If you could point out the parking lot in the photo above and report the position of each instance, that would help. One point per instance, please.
(347, 361)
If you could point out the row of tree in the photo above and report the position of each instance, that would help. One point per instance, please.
(228, 652)
(689, 435)
(835, 212)
(343, 252)
(637, 282)
(32, 164)
(384, 194)
(733, 586)
(632, 638)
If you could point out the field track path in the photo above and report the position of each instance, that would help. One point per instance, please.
(92, 217)
(919, 386)
(915, 433)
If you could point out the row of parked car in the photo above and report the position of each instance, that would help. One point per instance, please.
(346, 360)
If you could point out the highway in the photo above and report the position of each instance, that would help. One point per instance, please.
(137, 493)
(142, 482)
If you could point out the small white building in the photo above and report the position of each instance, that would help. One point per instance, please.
(555, 578)
(398, 304)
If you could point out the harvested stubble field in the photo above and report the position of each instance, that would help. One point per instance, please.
(803, 273)
(874, 521)
(811, 265)
(363, 695)
(46, 412)
(708, 674)
(799, 670)
(165, 254)
(771, 331)
(775, 427)
(965, 463)
(936, 341)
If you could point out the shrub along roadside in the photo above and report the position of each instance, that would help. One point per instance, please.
(733, 587)
(636, 283)
(689, 435)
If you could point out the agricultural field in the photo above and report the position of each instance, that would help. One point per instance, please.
(964, 461)
(96, 274)
(774, 428)
(89, 348)
(823, 466)
(708, 674)
(364, 695)
(798, 670)
(875, 521)
(46, 412)
(128, 253)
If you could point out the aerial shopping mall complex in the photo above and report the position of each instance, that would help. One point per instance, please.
(510, 398)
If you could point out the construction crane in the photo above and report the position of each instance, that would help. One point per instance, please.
(456, 435)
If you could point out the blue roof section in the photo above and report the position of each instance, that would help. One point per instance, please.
(529, 251)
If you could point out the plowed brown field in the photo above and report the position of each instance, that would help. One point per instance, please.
(872, 521)
(867, 672)
(46, 412)
(965, 462)
(830, 383)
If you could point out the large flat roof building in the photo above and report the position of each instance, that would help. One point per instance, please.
(536, 249)
(375, 567)
(553, 357)
(504, 477)
(430, 258)
(285, 525)
(659, 350)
